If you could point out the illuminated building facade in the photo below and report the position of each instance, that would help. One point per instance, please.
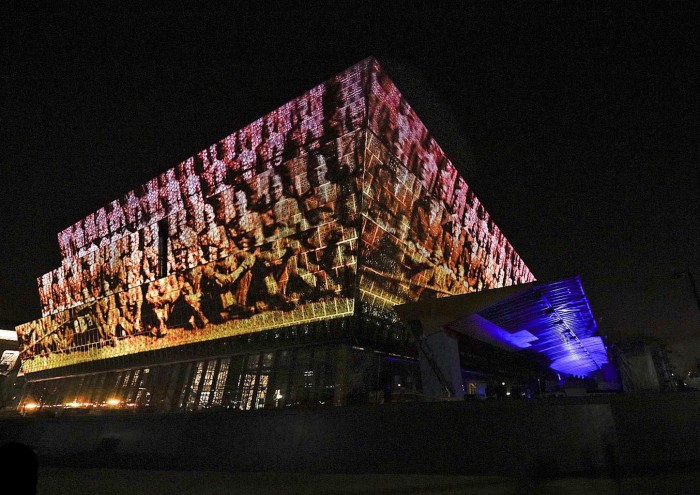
(264, 270)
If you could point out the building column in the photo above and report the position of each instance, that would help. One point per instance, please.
(441, 372)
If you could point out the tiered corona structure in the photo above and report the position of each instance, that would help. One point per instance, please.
(263, 270)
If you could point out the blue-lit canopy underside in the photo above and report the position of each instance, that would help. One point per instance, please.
(549, 320)
(559, 321)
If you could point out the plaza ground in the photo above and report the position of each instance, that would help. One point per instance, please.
(147, 482)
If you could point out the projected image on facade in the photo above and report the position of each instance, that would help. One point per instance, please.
(424, 232)
(256, 232)
(270, 227)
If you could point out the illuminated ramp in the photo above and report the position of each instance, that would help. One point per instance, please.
(551, 321)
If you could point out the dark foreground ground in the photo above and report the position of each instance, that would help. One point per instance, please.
(576, 445)
(137, 482)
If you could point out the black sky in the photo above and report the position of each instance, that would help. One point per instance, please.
(580, 126)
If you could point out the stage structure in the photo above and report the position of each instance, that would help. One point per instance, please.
(263, 271)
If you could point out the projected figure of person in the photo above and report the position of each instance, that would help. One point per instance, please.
(89, 232)
(247, 223)
(58, 295)
(160, 297)
(92, 277)
(63, 338)
(132, 211)
(269, 151)
(335, 265)
(169, 192)
(476, 268)
(106, 318)
(77, 238)
(130, 302)
(427, 223)
(317, 200)
(190, 298)
(226, 284)
(41, 337)
(224, 211)
(101, 226)
(26, 339)
(266, 206)
(268, 271)
(459, 199)
(380, 188)
(212, 237)
(115, 219)
(132, 259)
(264, 153)
(64, 243)
(299, 135)
(276, 137)
(404, 129)
(417, 270)
(279, 212)
(385, 128)
(308, 122)
(45, 292)
(422, 162)
(187, 179)
(469, 219)
(450, 241)
(384, 100)
(299, 282)
(439, 281)
(149, 248)
(214, 170)
(73, 279)
(334, 111)
(186, 249)
(383, 253)
(445, 182)
(343, 175)
(245, 154)
(112, 271)
(147, 195)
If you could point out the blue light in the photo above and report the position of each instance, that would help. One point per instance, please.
(553, 319)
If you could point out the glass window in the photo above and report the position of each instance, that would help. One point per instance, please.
(247, 391)
(96, 389)
(185, 387)
(194, 388)
(267, 360)
(279, 380)
(253, 361)
(220, 383)
(261, 391)
(142, 394)
(133, 386)
(324, 359)
(207, 383)
(234, 383)
(302, 376)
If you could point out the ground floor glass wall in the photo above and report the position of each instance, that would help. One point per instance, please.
(305, 376)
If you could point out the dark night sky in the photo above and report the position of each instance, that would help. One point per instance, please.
(577, 127)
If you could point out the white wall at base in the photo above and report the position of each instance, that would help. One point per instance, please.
(444, 352)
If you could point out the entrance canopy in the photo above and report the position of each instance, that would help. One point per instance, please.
(551, 320)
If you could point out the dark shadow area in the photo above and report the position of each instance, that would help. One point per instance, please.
(20, 468)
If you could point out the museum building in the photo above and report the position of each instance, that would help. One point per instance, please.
(300, 261)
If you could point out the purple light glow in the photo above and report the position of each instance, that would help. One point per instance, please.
(558, 317)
